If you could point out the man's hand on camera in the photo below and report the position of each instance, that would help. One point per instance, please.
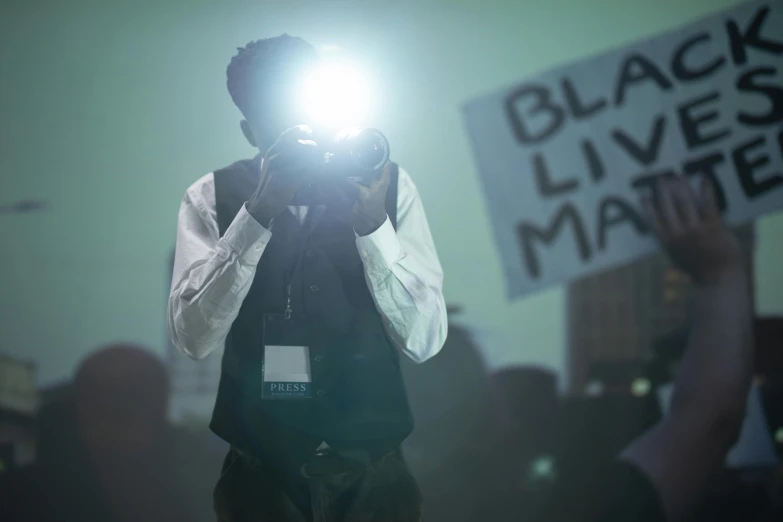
(363, 207)
(289, 163)
(369, 208)
(695, 238)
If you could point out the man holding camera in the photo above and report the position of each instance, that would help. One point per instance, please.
(312, 282)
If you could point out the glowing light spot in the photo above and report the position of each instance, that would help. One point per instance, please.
(335, 95)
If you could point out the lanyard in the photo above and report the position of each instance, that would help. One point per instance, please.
(311, 220)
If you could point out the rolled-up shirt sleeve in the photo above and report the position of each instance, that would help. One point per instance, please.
(212, 274)
(405, 277)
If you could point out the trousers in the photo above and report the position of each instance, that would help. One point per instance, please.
(250, 489)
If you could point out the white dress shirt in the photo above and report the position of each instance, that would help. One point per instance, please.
(213, 274)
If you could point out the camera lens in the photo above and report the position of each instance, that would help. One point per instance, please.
(369, 149)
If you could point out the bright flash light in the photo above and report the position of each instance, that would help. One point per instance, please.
(543, 467)
(335, 95)
(541, 472)
(640, 387)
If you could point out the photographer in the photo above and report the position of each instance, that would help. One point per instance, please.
(312, 283)
(664, 474)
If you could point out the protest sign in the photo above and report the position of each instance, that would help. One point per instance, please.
(565, 155)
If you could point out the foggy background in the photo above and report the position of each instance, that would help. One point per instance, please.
(109, 111)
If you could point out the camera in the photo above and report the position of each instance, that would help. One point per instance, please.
(358, 153)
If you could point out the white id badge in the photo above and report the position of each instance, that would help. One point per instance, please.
(286, 366)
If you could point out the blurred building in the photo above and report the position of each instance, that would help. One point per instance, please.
(194, 384)
(615, 316)
(18, 410)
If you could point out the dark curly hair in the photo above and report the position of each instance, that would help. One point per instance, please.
(261, 64)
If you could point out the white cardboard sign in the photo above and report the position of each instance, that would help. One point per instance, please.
(564, 156)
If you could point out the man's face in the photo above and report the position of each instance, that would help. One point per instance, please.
(270, 122)
(277, 107)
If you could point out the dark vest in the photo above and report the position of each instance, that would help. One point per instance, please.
(359, 399)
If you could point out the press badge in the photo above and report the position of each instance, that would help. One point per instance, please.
(286, 367)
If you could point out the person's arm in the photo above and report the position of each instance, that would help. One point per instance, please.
(405, 277)
(212, 274)
(682, 452)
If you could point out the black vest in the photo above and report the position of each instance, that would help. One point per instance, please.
(360, 399)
